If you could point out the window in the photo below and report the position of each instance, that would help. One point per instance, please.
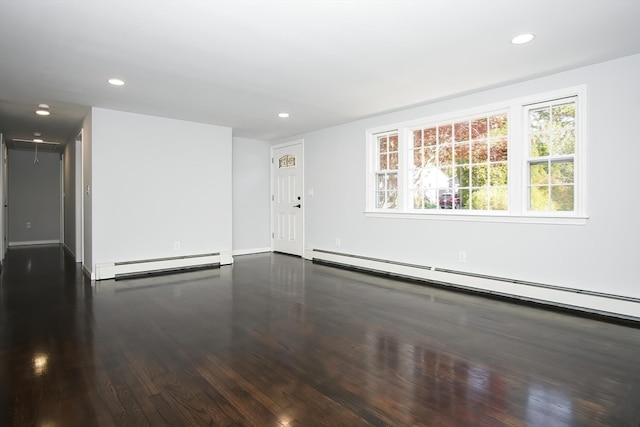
(387, 171)
(552, 143)
(461, 165)
(287, 161)
(519, 159)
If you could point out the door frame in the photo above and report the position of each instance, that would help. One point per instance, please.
(63, 196)
(299, 142)
(79, 202)
(4, 231)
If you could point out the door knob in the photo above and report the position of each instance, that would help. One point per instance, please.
(297, 206)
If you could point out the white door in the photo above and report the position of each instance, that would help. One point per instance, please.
(287, 192)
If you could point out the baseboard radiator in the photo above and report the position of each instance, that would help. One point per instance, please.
(623, 307)
(127, 269)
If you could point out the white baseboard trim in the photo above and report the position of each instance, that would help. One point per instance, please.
(576, 299)
(113, 270)
(251, 251)
(89, 274)
(68, 250)
(34, 242)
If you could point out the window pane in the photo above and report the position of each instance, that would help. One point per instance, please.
(538, 173)
(393, 161)
(562, 172)
(444, 177)
(479, 151)
(417, 158)
(383, 163)
(417, 138)
(461, 131)
(417, 201)
(539, 120)
(418, 178)
(381, 181)
(445, 155)
(498, 174)
(444, 134)
(478, 175)
(462, 176)
(393, 142)
(392, 199)
(479, 128)
(287, 161)
(430, 201)
(380, 199)
(499, 149)
(539, 198)
(430, 136)
(461, 153)
(563, 142)
(563, 116)
(540, 145)
(498, 199)
(382, 144)
(392, 181)
(479, 198)
(498, 125)
(464, 195)
(430, 156)
(424, 157)
(562, 198)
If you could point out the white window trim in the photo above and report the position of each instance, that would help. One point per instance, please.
(518, 207)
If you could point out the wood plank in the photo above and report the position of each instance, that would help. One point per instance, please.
(276, 340)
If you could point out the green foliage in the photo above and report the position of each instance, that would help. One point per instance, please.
(539, 199)
(430, 205)
(552, 130)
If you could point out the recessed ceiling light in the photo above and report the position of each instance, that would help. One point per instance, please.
(283, 115)
(37, 134)
(43, 110)
(522, 38)
(116, 82)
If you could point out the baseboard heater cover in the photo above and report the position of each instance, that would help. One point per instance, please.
(622, 307)
(127, 269)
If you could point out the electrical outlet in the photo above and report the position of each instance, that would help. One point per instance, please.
(176, 246)
(462, 256)
(338, 242)
(28, 225)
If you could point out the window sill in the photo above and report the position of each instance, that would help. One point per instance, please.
(481, 217)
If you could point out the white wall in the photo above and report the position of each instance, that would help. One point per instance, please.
(251, 195)
(87, 202)
(601, 256)
(2, 195)
(158, 181)
(34, 197)
(69, 191)
(5, 200)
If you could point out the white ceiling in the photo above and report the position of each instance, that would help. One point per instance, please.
(240, 63)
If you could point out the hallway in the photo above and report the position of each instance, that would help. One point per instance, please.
(278, 341)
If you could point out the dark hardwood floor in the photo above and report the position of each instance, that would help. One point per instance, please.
(278, 341)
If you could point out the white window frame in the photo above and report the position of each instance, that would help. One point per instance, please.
(518, 158)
